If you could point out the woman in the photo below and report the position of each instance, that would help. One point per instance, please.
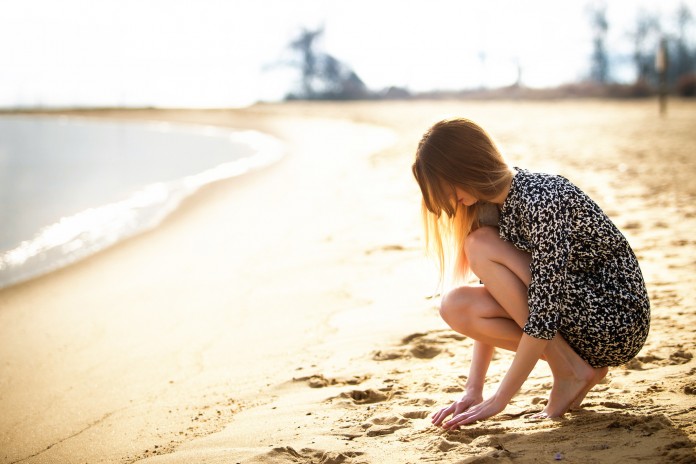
(558, 280)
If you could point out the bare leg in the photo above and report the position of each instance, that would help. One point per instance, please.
(494, 314)
(472, 311)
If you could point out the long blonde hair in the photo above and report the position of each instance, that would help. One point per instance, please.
(456, 153)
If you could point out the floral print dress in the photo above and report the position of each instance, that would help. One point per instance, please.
(586, 283)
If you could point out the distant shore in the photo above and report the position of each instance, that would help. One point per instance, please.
(289, 315)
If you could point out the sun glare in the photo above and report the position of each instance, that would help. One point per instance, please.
(214, 53)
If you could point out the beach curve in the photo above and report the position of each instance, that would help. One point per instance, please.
(341, 275)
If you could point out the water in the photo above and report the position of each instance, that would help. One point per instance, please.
(72, 187)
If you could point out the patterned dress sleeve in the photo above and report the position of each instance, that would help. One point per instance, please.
(550, 232)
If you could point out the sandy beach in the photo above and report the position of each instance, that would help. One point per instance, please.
(290, 315)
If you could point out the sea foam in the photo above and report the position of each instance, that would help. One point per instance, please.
(74, 237)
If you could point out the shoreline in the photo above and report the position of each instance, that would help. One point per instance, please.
(312, 333)
(141, 207)
(76, 295)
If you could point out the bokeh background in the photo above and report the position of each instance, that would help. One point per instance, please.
(225, 53)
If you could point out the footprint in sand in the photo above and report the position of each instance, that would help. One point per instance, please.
(649, 358)
(388, 355)
(420, 345)
(436, 336)
(641, 363)
(425, 351)
(680, 357)
(447, 443)
(654, 389)
(418, 350)
(634, 365)
(477, 437)
(615, 405)
(648, 424)
(289, 454)
(418, 414)
(366, 396)
(319, 381)
(419, 402)
(385, 425)
(428, 345)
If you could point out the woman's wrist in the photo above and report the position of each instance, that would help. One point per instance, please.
(475, 390)
(503, 397)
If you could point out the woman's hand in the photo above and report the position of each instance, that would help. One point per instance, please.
(528, 352)
(484, 410)
(458, 407)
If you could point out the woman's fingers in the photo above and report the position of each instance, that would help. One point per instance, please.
(481, 411)
(445, 413)
(459, 419)
(442, 414)
(455, 409)
(463, 419)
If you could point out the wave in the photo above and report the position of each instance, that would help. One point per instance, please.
(75, 237)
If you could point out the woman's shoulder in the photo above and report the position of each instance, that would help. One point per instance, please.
(535, 194)
(543, 185)
(527, 177)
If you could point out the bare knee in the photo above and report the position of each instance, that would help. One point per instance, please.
(457, 308)
(480, 245)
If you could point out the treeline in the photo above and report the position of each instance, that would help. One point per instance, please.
(661, 49)
(663, 54)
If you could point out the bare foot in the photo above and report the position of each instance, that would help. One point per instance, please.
(599, 374)
(568, 392)
(564, 391)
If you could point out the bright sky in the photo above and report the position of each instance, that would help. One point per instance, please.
(221, 52)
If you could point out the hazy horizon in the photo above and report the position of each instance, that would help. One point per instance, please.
(213, 53)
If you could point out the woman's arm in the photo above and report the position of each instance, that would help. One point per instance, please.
(479, 367)
(528, 353)
(474, 385)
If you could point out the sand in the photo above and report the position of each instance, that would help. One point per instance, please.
(289, 315)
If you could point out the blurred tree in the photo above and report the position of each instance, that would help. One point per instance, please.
(339, 81)
(599, 70)
(683, 58)
(646, 37)
(324, 76)
(304, 45)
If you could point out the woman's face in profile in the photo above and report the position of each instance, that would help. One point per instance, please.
(464, 197)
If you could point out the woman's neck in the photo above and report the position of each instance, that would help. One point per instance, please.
(500, 199)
